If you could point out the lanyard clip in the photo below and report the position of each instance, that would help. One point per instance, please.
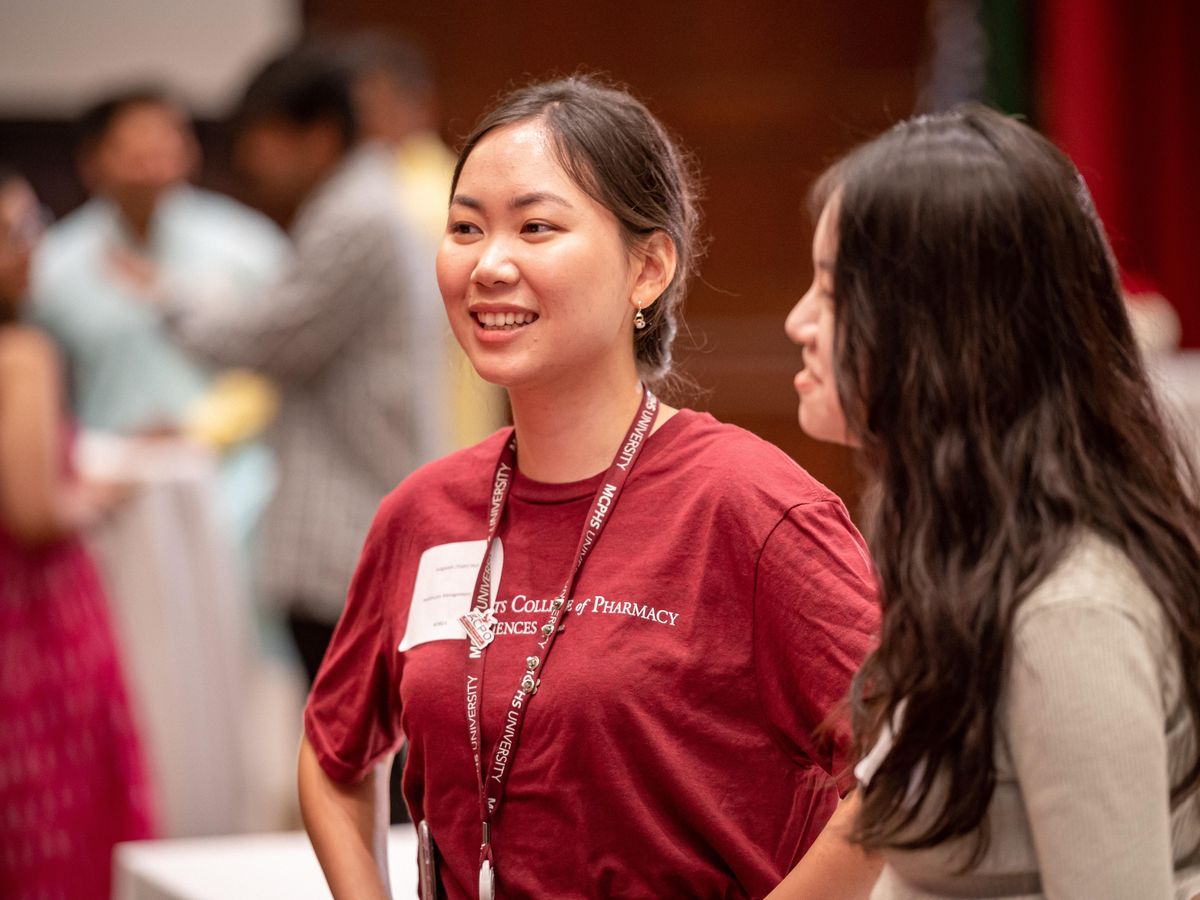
(487, 833)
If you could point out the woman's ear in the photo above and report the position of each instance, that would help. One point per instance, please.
(654, 267)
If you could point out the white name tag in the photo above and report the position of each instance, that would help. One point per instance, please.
(442, 592)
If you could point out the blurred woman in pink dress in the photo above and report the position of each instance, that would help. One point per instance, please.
(71, 778)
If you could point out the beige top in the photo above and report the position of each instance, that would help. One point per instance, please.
(1093, 729)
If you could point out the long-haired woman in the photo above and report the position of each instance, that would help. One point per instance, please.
(614, 635)
(1031, 714)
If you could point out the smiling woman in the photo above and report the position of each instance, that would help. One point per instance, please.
(1032, 712)
(524, 208)
(540, 284)
(811, 325)
(705, 600)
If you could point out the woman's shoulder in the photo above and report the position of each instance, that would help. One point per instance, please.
(1092, 569)
(736, 462)
(1094, 573)
(458, 479)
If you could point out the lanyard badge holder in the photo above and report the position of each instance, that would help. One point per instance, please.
(480, 622)
(427, 877)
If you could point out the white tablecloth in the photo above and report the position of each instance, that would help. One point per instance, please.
(185, 629)
(248, 867)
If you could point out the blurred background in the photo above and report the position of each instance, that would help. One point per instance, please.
(764, 95)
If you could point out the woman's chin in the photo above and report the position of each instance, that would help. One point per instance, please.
(820, 425)
(501, 373)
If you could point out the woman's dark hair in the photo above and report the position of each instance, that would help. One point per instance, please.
(614, 149)
(987, 365)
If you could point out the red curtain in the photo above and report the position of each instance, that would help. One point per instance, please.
(1119, 90)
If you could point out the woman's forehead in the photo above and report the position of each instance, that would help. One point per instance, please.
(522, 154)
(517, 164)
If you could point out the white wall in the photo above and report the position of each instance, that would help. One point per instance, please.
(56, 56)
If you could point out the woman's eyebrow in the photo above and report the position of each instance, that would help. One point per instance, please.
(538, 197)
(518, 202)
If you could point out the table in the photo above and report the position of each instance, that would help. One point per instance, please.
(218, 727)
(246, 867)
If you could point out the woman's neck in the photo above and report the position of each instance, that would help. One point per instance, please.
(566, 434)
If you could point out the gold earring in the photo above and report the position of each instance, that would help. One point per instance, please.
(639, 320)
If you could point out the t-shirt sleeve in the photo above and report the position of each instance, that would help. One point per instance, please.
(815, 620)
(1085, 731)
(353, 712)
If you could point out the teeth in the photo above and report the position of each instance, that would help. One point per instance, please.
(505, 319)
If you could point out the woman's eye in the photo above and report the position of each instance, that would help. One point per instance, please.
(463, 228)
(537, 228)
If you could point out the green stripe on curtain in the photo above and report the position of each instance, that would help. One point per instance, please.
(1010, 60)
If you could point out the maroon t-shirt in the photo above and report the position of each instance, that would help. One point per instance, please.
(688, 738)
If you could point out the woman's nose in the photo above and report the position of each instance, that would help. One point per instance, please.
(495, 265)
(801, 322)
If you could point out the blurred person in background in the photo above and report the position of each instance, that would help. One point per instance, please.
(127, 375)
(71, 774)
(351, 332)
(1032, 713)
(395, 97)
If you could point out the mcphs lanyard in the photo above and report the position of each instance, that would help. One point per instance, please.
(480, 623)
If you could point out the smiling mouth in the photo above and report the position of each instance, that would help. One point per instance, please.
(504, 321)
(804, 381)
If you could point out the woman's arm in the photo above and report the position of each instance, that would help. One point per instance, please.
(833, 868)
(1084, 721)
(37, 503)
(347, 825)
